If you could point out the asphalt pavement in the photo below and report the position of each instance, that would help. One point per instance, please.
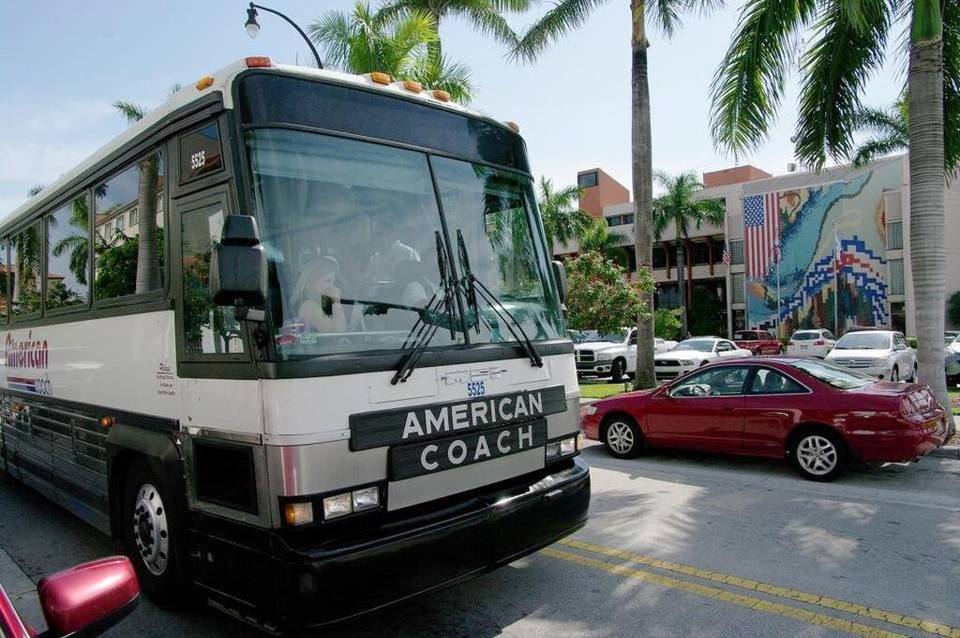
(677, 545)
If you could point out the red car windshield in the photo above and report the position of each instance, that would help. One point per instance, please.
(834, 375)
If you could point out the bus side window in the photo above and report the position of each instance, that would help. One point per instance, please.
(121, 268)
(25, 255)
(207, 328)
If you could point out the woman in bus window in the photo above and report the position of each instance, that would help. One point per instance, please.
(319, 298)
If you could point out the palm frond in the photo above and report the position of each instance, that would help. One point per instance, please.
(748, 85)
(35, 190)
(847, 49)
(951, 86)
(565, 16)
(880, 122)
(132, 112)
(876, 148)
(438, 72)
(486, 18)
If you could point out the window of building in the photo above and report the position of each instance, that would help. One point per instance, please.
(739, 319)
(659, 257)
(132, 218)
(898, 317)
(25, 257)
(628, 219)
(586, 180)
(736, 251)
(896, 276)
(207, 328)
(667, 296)
(701, 253)
(613, 221)
(68, 255)
(736, 287)
(895, 235)
(200, 153)
(717, 250)
(120, 223)
(120, 270)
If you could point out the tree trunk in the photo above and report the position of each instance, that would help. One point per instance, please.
(681, 289)
(642, 191)
(927, 242)
(148, 268)
(688, 253)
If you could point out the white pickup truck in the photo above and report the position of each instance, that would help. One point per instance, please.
(613, 355)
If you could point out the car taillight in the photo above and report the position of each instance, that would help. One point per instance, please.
(819, 342)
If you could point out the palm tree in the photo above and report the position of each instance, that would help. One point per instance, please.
(148, 264)
(393, 43)
(567, 15)
(562, 221)
(486, 16)
(679, 206)
(890, 131)
(597, 238)
(848, 44)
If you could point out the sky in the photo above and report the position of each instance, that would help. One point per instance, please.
(63, 63)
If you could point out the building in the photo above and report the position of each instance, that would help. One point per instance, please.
(828, 249)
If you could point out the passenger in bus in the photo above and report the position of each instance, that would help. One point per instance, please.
(318, 297)
(392, 251)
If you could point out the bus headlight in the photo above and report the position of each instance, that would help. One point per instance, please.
(366, 499)
(337, 505)
(559, 449)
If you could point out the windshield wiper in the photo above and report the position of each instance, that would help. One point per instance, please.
(472, 285)
(423, 330)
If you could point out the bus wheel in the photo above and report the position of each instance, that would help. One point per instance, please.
(151, 531)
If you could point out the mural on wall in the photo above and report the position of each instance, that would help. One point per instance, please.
(803, 245)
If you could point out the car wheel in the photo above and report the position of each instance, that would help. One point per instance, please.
(151, 532)
(819, 455)
(895, 374)
(617, 370)
(622, 437)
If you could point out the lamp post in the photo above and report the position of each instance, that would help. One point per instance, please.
(253, 28)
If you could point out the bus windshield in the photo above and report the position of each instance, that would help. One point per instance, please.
(350, 228)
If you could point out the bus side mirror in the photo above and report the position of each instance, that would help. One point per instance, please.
(560, 276)
(238, 265)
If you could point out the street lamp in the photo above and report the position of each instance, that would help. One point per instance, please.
(253, 28)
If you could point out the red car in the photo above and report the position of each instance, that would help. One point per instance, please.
(85, 600)
(758, 342)
(819, 415)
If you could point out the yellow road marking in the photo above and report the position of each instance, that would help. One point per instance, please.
(782, 592)
(716, 593)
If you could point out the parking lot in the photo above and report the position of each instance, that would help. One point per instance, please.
(677, 544)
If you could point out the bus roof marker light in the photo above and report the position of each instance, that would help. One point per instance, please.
(258, 61)
(441, 95)
(106, 421)
(204, 83)
(413, 87)
(380, 78)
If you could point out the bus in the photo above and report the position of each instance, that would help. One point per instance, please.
(296, 341)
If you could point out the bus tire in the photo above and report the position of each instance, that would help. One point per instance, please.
(152, 532)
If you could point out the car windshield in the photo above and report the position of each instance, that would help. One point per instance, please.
(950, 338)
(350, 229)
(805, 336)
(834, 375)
(615, 337)
(864, 341)
(700, 345)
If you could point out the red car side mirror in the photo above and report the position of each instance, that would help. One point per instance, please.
(90, 597)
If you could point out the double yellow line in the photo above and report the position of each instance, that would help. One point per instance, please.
(743, 600)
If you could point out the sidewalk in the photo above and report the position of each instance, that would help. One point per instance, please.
(22, 592)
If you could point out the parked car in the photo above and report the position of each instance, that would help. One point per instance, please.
(951, 340)
(819, 415)
(810, 343)
(951, 367)
(880, 353)
(612, 354)
(690, 354)
(85, 600)
(758, 342)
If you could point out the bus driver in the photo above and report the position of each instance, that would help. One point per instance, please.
(319, 298)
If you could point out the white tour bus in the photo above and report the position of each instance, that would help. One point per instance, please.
(293, 333)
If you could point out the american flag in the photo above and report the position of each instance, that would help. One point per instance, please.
(726, 254)
(761, 221)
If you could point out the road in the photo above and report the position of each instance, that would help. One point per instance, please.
(677, 545)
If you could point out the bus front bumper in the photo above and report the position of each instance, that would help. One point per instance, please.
(325, 584)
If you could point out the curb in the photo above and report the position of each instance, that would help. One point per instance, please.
(947, 452)
(21, 590)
